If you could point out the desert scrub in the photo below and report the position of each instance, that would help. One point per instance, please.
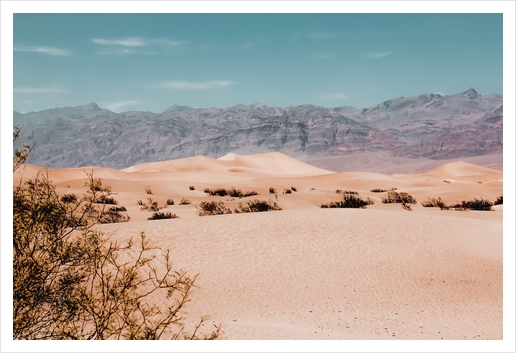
(257, 206)
(398, 197)
(191, 187)
(349, 201)
(350, 192)
(435, 202)
(148, 190)
(209, 208)
(378, 190)
(185, 202)
(231, 192)
(499, 200)
(106, 200)
(170, 202)
(287, 191)
(151, 206)
(113, 216)
(477, 205)
(161, 215)
(293, 188)
(69, 198)
(272, 190)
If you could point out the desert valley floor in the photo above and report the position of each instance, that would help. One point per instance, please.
(310, 273)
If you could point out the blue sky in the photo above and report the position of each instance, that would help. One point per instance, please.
(152, 61)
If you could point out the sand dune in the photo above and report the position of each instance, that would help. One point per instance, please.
(311, 273)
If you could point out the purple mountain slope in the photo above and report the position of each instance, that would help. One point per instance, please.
(431, 126)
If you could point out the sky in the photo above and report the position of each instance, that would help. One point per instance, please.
(152, 61)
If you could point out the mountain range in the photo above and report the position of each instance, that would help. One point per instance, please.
(430, 126)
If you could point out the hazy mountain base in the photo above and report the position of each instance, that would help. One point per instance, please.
(428, 126)
(379, 162)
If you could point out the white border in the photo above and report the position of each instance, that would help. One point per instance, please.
(506, 7)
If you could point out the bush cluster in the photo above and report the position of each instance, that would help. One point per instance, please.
(257, 206)
(210, 208)
(378, 190)
(185, 201)
(113, 215)
(499, 200)
(272, 190)
(150, 206)
(475, 204)
(161, 215)
(349, 201)
(104, 199)
(398, 197)
(231, 192)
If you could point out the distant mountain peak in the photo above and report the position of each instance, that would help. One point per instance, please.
(471, 93)
(92, 105)
(178, 108)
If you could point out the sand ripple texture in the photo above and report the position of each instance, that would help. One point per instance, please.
(340, 273)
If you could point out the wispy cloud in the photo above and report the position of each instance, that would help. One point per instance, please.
(132, 45)
(43, 50)
(321, 34)
(377, 55)
(117, 106)
(38, 90)
(126, 42)
(333, 96)
(190, 86)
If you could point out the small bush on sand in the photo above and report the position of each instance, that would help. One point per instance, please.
(151, 206)
(191, 187)
(378, 190)
(106, 200)
(435, 202)
(139, 203)
(349, 201)
(272, 190)
(287, 191)
(257, 206)
(350, 192)
(406, 206)
(293, 188)
(161, 215)
(69, 198)
(499, 200)
(231, 192)
(185, 202)
(209, 208)
(170, 202)
(113, 216)
(401, 197)
(477, 205)
(148, 190)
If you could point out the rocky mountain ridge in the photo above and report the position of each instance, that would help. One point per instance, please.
(431, 126)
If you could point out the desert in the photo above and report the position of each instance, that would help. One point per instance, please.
(306, 272)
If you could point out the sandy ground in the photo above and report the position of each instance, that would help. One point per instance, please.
(311, 273)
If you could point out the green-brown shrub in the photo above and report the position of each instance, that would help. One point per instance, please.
(185, 201)
(161, 215)
(349, 201)
(209, 208)
(401, 197)
(257, 206)
(170, 202)
(435, 202)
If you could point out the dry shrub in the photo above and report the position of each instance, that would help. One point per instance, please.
(435, 202)
(401, 197)
(161, 215)
(349, 201)
(170, 202)
(499, 200)
(378, 190)
(272, 190)
(191, 187)
(185, 202)
(257, 206)
(209, 208)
